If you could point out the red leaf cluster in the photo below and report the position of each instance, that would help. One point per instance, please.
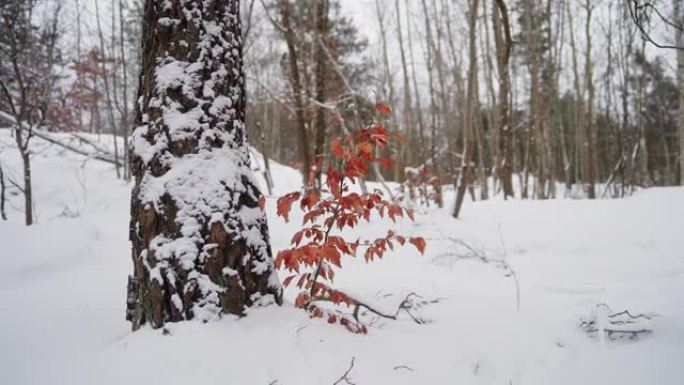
(421, 185)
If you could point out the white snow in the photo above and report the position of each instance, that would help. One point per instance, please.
(63, 289)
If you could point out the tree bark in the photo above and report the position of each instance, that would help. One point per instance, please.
(200, 244)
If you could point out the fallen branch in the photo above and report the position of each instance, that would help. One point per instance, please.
(99, 155)
(406, 305)
(617, 325)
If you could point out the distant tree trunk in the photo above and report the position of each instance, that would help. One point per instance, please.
(200, 244)
(471, 101)
(124, 116)
(679, 16)
(3, 214)
(407, 157)
(642, 153)
(108, 90)
(536, 124)
(503, 43)
(432, 61)
(588, 144)
(297, 88)
(389, 81)
(321, 72)
(578, 102)
(419, 109)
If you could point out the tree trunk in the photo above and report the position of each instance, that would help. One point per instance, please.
(200, 244)
(471, 102)
(679, 17)
(297, 89)
(108, 90)
(588, 144)
(321, 72)
(124, 115)
(503, 43)
(536, 123)
(407, 157)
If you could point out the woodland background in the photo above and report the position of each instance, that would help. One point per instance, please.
(528, 98)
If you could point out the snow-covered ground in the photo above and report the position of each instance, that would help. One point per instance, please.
(62, 295)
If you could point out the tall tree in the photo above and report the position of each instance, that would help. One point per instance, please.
(200, 243)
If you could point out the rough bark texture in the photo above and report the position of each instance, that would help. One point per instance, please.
(200, 243)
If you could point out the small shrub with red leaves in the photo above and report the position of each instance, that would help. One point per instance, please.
(318, 247)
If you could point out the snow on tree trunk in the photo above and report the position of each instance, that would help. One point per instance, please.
(200, 244)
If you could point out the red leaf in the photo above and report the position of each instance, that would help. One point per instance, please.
(302, 299)
(297, 238)
(310, 200)
(386, 163)
(285, 204)
(383, 109)
(287, 280)
(262, 203)
(336, 148)
(331, 254)
(419, 243)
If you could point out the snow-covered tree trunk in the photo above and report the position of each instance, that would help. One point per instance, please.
(200, 243)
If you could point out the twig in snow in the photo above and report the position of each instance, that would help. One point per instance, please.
(345, 376)
(510, 269)
(617, 325)
(404, 367)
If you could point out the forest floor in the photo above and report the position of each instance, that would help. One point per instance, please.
(510, 302)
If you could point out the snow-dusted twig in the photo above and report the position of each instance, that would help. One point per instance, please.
(345, 376)
(510, 269)
(405, 367)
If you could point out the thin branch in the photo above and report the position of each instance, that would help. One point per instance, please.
(634, 9)
(345, 376)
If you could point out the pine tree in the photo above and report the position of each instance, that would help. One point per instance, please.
(200, 244)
